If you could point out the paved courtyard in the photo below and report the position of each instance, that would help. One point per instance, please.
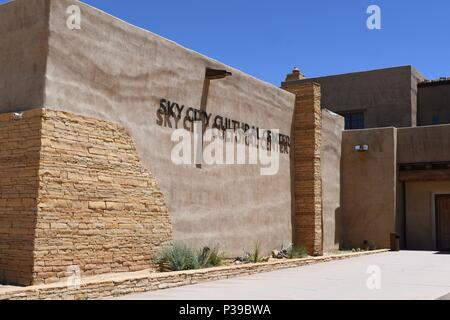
(404, 275)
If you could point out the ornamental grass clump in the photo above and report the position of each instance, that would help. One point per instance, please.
(255, 256)
(180, 257)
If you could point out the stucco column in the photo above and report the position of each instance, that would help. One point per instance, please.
(306, 171)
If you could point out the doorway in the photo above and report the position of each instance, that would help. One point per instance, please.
(443, 222)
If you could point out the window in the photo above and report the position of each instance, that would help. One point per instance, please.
(354, 120)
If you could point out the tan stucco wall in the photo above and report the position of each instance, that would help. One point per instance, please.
(421, 213)
(113, 71)
(421, 145)
(388, 97)
(369, 187)
(424, 144)
(413, 215)
(332, 129)
(23, 51)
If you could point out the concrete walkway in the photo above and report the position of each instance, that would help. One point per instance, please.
(404, 275)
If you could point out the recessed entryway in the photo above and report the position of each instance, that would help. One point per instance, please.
(421, 204)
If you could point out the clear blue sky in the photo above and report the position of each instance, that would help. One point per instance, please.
(266, 38)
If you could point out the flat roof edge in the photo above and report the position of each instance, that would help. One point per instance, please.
(312, 79)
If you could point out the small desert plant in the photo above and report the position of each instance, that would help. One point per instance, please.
(208, 257)
(297, 252)
(255, 256)
(178, 257)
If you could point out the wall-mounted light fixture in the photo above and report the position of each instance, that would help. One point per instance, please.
(211, 74)
(17, 115)
(215, 74)
(362, 148)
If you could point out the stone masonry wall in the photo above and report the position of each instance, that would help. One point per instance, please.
(306, 167)
(19, 164)
(98, 209)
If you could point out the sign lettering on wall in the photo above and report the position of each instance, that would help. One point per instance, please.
(177, 116)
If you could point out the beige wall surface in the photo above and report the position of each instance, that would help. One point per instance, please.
(23, 49)
(421, 213)
(332, 129)
(415, 213)
(114, 71)
(388, 97)
(369, 181)
(424, 144)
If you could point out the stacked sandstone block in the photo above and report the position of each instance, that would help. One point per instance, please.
(19, 184)
(306, 170)
(92, 206)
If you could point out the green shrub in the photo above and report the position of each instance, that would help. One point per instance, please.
(295, 252)
(180, 257)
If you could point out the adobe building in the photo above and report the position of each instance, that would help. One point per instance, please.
(401, 183)
(86, 175)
